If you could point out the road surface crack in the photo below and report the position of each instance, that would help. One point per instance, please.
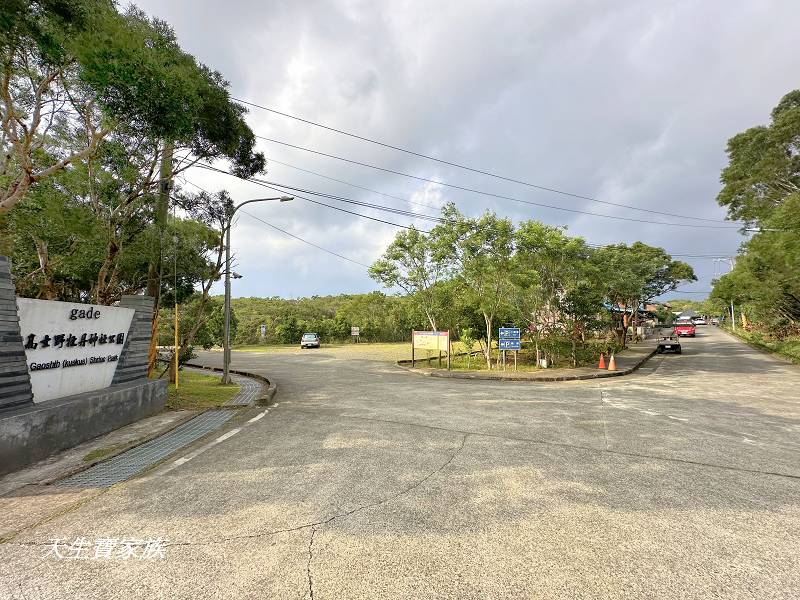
(308, 565)
(583, 447)
(316, 525)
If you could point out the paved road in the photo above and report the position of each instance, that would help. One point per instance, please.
(681, 481)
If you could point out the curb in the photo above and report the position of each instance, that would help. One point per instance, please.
(402, 364)
(266, 396)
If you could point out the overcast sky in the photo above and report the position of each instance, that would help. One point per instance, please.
(624, 101)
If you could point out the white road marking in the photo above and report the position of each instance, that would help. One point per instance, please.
(258, 417)
(230, 434)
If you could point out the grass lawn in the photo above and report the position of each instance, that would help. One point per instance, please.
(198, 391)
(394, 351)
(389, 352)
(101, 452)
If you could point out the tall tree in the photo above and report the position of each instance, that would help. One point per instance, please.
(764, 165)
(761, 185)
(413, 263)
(79, 67)
(481, 251)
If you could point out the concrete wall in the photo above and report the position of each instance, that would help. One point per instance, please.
(30, 433)
(15, 382)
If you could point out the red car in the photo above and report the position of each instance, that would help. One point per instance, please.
(684, 328)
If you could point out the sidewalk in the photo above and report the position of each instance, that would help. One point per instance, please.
(36, 493)
(627, 362)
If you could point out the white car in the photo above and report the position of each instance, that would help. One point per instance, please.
(699, 321)
(309, 340)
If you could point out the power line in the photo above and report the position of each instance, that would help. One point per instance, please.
(285, 191)
(493, 195)
(397, 211)
(468, 168)
(290, 189)
(297, 237)
(351, 184)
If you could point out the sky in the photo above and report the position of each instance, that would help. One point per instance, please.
(623, 101)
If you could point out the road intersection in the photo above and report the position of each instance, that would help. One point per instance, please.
(681, 480)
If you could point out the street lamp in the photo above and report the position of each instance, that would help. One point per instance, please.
(226, 336)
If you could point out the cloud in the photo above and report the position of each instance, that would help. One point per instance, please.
(627, 102)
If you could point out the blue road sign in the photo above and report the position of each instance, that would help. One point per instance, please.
(509, 344)
(509, 333)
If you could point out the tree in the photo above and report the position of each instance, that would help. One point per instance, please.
(80, 70)
(764, 165)
(412, 263)
(761, 185)
(630, 275)
(467, 338)
(553, 290)
(480, 252)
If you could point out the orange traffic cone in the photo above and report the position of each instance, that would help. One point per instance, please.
(602, 364)
(612, 364)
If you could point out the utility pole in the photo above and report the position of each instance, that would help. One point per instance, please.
(156, 269)
(731, 261)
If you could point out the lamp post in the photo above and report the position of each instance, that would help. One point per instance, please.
(226, 336)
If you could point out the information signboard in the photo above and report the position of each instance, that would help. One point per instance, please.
(506, 344)
(509, 333)
(355, 331)
(508, 339)
(71, 348)
(436, 341)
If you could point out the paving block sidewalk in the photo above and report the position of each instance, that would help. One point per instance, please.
(28, 496)
(627, 362)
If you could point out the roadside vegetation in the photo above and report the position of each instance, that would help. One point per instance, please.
(788, 347)
(91, 209)
(761, 188)
(101, 109)
(199, 391)
(475, 274)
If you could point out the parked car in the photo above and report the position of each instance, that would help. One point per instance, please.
(684, 328)
(714, 321)
(309, 340)
(669, 344)
(699, 321)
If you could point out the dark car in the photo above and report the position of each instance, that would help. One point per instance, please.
(309, 340)
(669, 344)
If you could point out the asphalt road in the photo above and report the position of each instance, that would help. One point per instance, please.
(681, 481)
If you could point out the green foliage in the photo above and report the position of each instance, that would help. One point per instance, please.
(761, 185)
(381, 318)
(77, 73)
(206, 319)
(477, 273)
(764, 165)
(415, 265)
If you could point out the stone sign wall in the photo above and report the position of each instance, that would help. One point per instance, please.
(70, 372)
(15, 383)
(71, 348)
